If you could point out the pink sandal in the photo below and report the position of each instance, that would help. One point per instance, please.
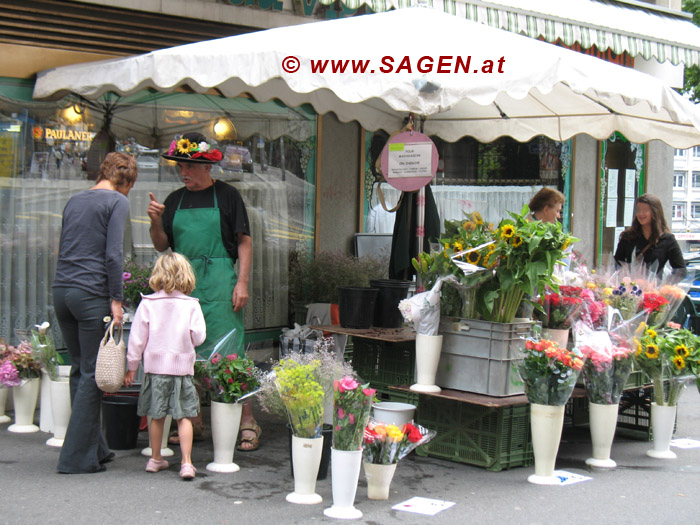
(154, 465)
(187, 471)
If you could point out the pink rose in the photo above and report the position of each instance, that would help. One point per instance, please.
(232, 357)
(348, 383)
(173, 146)
(215, 359)
(341, 413)
(351, 418)
(369, 392)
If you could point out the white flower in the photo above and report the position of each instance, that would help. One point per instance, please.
(406, 310)
(42, 327)
(203, 147)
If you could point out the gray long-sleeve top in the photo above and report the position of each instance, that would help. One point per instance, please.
(91, 248)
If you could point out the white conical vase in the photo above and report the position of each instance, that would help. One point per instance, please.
(379, 479)
(60, 410)
(306, 458)
(546, 423)
(603, 420)
(345, 471)
(3, 404)
(165, 451)
(558, 335)
(663, 417)
(45, 417)
(24, 398)
(428, 348)
(225, 422)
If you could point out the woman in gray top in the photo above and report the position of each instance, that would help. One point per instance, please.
(88, 287)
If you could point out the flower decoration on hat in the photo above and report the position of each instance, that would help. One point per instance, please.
(192, 147)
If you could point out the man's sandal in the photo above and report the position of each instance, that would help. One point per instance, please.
(197, 436)
(254, 441)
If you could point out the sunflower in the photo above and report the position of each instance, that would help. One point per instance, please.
(477, 218)
(507, 231)
(473, 257)
(566, 245)
(651, 333)
(183, 146)
(490, 259)
(639, 349)
(517, 241)
(458, 247)
(652, 351)
(682, 351)
(491, 247)
(679, 362)
(468, 226)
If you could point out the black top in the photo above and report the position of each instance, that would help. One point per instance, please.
(666, 249)
(90, 252)
(234, 218)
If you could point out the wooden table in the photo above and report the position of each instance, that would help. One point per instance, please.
(389, 335)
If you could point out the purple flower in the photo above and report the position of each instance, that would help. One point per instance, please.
(9, 375)
(126, 276)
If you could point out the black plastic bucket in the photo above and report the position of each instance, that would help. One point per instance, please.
(356, 306)
(120, 422)
(325, 453)
(386, 311)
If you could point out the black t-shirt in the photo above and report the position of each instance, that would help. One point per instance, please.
(234, 219)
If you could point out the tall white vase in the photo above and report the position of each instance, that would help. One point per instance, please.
(25, 397)
(558, 335)
(225, 422)
(3, 404)
(662, 420)
(306, 458)
(603, 419)
(345, 472)
(165, 451)
(379, 479)
(45, 417)
(60, 410)
(546, 423)
(428, 348)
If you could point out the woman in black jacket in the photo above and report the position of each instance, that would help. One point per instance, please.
(650, 239)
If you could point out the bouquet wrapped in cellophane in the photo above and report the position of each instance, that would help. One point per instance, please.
(302, 395)
(352, 403)
(384, 444)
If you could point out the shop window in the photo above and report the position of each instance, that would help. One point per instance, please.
(695, 210)
(696, 179)
(51, 150)
(679, 179)
(678, 211)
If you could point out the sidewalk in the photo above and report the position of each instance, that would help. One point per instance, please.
(641, 489)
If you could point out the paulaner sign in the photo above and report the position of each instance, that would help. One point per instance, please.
(68, 134)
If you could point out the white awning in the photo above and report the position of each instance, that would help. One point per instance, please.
(607, 24)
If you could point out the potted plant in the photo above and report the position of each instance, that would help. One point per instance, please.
(315, 278)
(21, 371)
(228, 378)
(135, 282)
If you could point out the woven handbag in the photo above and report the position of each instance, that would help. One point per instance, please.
(111, 361)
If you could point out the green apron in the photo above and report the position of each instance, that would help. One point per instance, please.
(197, 236)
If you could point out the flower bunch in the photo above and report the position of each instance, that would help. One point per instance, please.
(606, 369)
(19, 364)
(557, 310)
(384, 444)
(655, 305)
(44, 347)
(549, 372)
(194, 150)
(626, 299)
(664, 354)
(135, 282)
(228, 377)
(302, 395)
(352, 403)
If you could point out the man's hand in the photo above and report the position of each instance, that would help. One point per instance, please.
(240, 296)
(155, 209)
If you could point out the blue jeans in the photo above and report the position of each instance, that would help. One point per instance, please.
(80, 315)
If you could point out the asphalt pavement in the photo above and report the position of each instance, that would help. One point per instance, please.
(639, 490)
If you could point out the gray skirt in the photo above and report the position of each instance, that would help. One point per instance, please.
(162, 395)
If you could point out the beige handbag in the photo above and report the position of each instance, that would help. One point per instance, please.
(111, 361)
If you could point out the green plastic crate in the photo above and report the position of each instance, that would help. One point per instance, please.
(495, 438)
(384, 364)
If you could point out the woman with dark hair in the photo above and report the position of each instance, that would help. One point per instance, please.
(546, 205)
(88, 287)
(649, 238)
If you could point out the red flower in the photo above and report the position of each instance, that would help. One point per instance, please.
(230, 380)
(412, 432)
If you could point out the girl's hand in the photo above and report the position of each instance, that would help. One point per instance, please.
(129, 378)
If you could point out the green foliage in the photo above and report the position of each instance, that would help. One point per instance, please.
(135, 281)
(315, 279)
(229, 377)
(691, 85)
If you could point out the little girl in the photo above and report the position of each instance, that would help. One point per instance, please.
(167, 327)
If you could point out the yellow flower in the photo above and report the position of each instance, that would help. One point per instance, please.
(490, 226)
(473, 257)
(491, 247)
(607, 291)
(393, 433)
(651, 333)
(682, 351)
(477, 218)
(458, 246)
(183, 146)
(639, 349)
(591, 285)
(566, 244)
(517, 241)
(469, 226)
(490, 260)
(679, 362)
(447, 245)
(507, 231)
(652, 351)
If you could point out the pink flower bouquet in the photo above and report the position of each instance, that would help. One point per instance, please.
(352, 403)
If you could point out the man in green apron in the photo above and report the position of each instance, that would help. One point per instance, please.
(207, 222)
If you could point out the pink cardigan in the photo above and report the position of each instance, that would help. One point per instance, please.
(165, 331)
